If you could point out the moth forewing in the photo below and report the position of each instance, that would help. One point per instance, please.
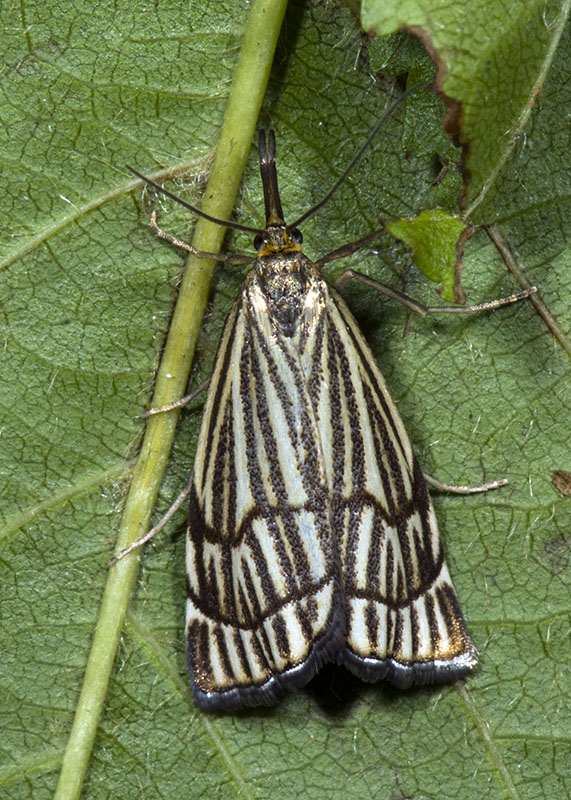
(263, 600)
(398, 593)
(311, 534)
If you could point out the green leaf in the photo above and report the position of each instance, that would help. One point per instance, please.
(436, 240)
(493, 57)
(86, 298)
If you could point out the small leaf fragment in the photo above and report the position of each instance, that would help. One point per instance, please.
(436, 240)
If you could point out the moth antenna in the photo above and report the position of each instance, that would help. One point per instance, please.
(359, 154)
(225, 222)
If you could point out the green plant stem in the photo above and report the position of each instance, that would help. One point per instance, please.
(249, 84)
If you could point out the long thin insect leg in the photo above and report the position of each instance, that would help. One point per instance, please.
(177, 403)
(156, 528)
(447, 487)
(182, 496)
(420, 308)
(229, 259)
(350, 248)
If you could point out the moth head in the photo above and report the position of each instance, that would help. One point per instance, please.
(277, 240)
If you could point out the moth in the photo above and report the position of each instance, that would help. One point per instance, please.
(311, 534)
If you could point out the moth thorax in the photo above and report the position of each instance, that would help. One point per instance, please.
(285, 282)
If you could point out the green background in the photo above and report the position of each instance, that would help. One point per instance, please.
(85, 301)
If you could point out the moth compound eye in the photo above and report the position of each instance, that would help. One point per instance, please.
(296, 236)
(259, 242)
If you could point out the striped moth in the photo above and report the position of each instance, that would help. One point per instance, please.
(311, 534)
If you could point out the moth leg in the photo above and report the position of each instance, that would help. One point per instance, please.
(177, 403)
(350, 248)
(156, 528)
(447, 487)
(420, 308)
(226, 257)
(184, 493)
